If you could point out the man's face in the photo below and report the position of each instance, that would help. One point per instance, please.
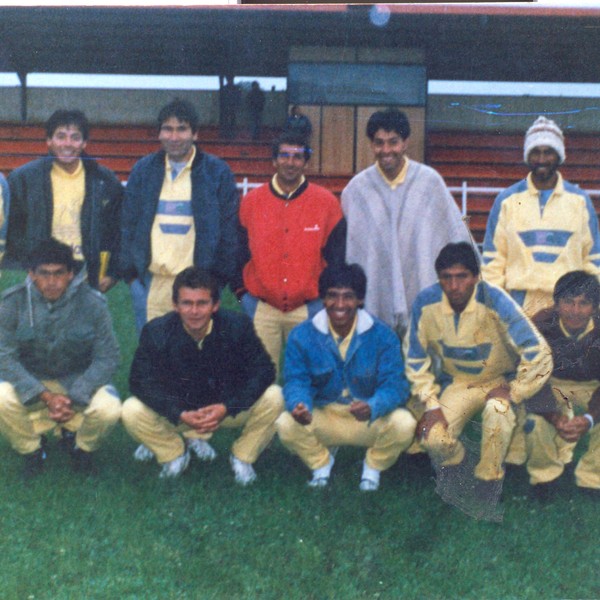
(543, 162)
(196, 308)
(289, 165)
(177, 139)
(341, 305)
(575, 313)
(458, 284)
(66, 145)
(52, 280)
(389, 149)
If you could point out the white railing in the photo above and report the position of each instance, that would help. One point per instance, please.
(464, 190)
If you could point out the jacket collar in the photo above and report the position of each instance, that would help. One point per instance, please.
(559, 188)
(364, 323)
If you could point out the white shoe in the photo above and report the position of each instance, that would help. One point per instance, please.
(369, 480)
(202, 449)
(143, 454)
(320, 478)
(244, 472)
(175, 467)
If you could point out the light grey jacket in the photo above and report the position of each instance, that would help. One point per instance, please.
(70, 340)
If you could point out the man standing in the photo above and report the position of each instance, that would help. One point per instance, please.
(58, 353)
(68, 196)
(541, 227)
(180, 210)
(572, 328)
(290, 230)
(345, 383)
(197, 369)
(400, 214)
(298, 123)
(255, 103)
(490, 359)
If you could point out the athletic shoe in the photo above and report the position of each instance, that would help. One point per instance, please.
(320, 478)
(143, 454)
(244, 472)
(175, 467)
(202, 449)
(67, 440)
(369, 481)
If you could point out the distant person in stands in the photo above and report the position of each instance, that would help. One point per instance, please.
(541, 227)
(400, 214)
(180, 210)
(290, 229)
(67, 195)
(255, 103)
(230, 97)
(298, 123)
(4, 210)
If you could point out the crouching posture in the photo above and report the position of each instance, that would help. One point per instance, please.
(58, 353)
(344, 383)
(572, 328)
(197, 369)
(490, 358)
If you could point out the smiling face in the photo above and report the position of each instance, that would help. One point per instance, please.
(177, 139)
(458, 283)
(341, 305)
(389, 149)
(196, 307)
(66, 145)
(575, 313)
(543, 162)
(52, 280)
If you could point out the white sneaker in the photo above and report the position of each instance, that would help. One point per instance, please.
(202, 449)
(369, 480)
(175, 467)
(143, 454)
(244, 472)
(320, 478)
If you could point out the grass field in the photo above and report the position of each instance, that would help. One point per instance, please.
(124, 534)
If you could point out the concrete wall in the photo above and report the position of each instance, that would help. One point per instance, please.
(506, 114)
(126, 106)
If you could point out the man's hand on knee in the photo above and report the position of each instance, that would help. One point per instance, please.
(571, 430)
(501, 392)
(301, 414)
(428, 420)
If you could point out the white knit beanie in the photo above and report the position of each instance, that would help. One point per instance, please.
(544, 132)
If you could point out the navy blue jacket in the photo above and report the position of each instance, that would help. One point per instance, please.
(215, 202)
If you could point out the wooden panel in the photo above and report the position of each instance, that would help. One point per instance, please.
(416, 147)
(337, 140)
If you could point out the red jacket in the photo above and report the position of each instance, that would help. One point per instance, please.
(290, 241)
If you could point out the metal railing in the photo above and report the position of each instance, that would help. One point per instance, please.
(464, 190)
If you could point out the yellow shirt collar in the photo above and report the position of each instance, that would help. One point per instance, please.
(470, 307)
(399, 179)
(280, 191)
(188, 164)
(209, 329)
(344, 344)
(59, 171)
(589, 327)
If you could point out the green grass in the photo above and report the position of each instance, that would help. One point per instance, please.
(124, 534)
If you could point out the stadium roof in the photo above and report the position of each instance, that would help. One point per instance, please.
(459, 42)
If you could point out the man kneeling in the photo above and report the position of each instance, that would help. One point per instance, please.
(197, 369)
(58, 353)
(344, 383)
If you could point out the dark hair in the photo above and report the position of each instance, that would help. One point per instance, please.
(51, 252)
(577, 283)
(391, 119)
(343, 276)
(182, 110)
(60, 118)
(196, 278)
(461, 253)
(291, 138)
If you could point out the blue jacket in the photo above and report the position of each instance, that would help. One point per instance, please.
(215, 201)
(373, 371)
